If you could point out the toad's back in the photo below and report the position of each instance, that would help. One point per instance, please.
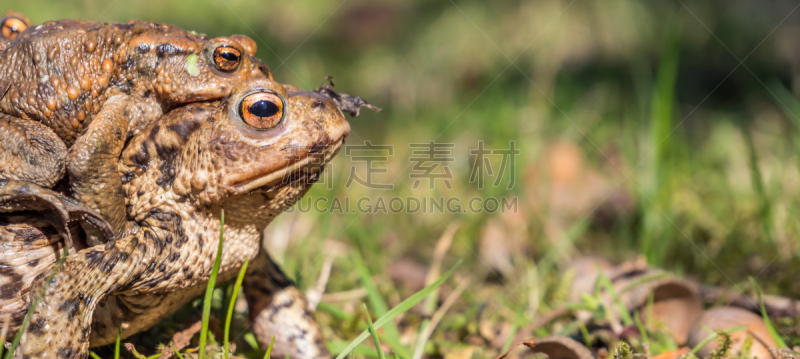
(60, 72)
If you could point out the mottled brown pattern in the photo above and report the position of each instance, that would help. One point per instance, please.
(30, 152)
(79, 89)
(164, 259)
(63, 71)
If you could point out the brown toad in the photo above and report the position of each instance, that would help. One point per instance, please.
(71, 85)
(251, 154)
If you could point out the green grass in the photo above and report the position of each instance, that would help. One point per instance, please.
(716, 335)
(633, 142)
(236, 287)
(210, 289)
(385, 319)
(374, 333)
(177, 352)
(117, 344)
(377, 302)
(400, 308)
(771, 328)
(269, 348)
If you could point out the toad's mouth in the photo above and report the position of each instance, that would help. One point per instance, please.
(305, 171)
(277, 178)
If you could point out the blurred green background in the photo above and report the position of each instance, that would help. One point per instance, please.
(668, 129)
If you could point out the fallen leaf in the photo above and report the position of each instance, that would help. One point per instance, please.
(731, 317)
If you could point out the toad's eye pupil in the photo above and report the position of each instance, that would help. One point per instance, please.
(264, 108)
(230, 56)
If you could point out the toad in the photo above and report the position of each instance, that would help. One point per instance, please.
(71, 85)
(251, 155)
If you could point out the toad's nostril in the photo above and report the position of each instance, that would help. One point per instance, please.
(317, 104)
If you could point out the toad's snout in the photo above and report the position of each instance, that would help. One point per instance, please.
(323, 116)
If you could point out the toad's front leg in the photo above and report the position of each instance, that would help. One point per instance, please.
(278, 309)
(60, 325)
(92, 161)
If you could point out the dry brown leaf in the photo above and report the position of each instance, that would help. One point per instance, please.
(732, 317)
(560, 347)
(676, 302)
(555, 347)
(530, 343)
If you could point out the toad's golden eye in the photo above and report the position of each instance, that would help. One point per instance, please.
(11, 27)
(261, 110)
(227, 58)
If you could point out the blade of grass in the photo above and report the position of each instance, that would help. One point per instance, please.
(269, 349)
(374, 297)
(662, 142)
(587, 339)
(623, 311)
(772, 332)
(116, 346)
(94, 355)
(210, 289)
(790, 106)
(347, 317)
(641, 327)
(335, 346)
(757, 180)
(400, 308)
(380, 307)
(34, 303)
(334, 311)
(250, 339)
(236, 288)
(442, 246)
(175, 350)
(374, 333)
(430, 326)
(647, 278)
